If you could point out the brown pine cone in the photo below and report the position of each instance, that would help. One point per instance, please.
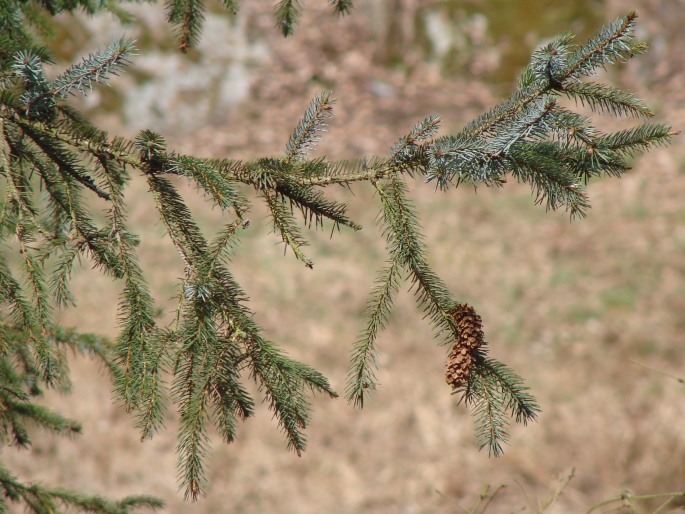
(463, 355)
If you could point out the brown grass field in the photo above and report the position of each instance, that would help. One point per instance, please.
(591, 313)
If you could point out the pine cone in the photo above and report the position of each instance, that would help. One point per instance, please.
(463, 355)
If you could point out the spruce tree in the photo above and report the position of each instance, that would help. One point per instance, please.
(54, 162)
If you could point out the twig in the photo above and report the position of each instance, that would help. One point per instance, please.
(660, 372)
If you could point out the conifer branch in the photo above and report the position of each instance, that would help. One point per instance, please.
(407, 249)
(361, 375)
(135, 349)
(188, 16)
(191, 388)
(630, 142)
(516, 398)
(287, 14)
(137, 331)
(551, 179)
(231, 6)
(347, 172)
(607, 99)
(153, 402)
(315, 206)
(183, 232)
(39, 499)
(341, 7)
(90, 345)
(219, 186)
(91, 142)
(405, 149)
(47, 356)
(23, 411)
(37, 98)
(613, 43)
(487, 408)
(466, 159)
(62, 274)
(94, 69)
(11, 291)
(66, 161)
(282, 380)
(214, 340)
(286, 226)
(63, 192)
(305, 136)
(231, 400)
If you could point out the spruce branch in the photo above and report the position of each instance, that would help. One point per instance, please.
(607, 99)
(405, 150)
(462, 158)
(551, 179)
(47, 354)
(587, 163)
(39, 499)
(534, 124)
(487, 386)
(346, 172)
(197, 335)
(37, 98)
(23, 411)
(489, 416)
(314, 205)
(231, 6)
(11, 291)
(91, 345)
(407, 249)
(287, 14)
(214, 340)
(66, 161)
(184, 233)
(79, 135)
(613, 43)
(192, 445)
(517, 400)
(493, 390)
(220, 187)
(153, 398)
(341, 7)
(634, 141)
(285, 224)
(231, 400)
(361, 375)
(282, 380)
(62, 273)
(220, 247)
(547, 62)
(305, 136)
(135, 350)
(188, 17)
(63, 191)
(94, 69)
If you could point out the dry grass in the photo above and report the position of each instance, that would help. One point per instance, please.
(579, 309)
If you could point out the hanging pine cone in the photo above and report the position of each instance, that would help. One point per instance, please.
(463, 355)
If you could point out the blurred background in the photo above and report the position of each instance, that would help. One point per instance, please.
(591, 312)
